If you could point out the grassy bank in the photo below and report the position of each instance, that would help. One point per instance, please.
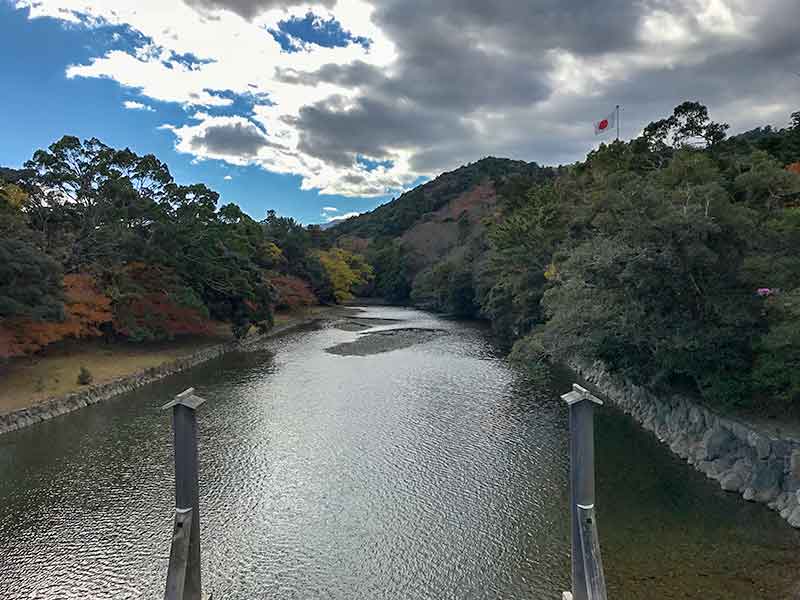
(30, 380)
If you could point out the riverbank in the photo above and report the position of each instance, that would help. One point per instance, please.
(42, 387)
(760, 463)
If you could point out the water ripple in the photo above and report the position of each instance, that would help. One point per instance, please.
(429, 472)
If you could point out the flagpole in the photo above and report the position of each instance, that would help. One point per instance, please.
(617, 122)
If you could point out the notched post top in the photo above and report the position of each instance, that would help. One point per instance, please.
(578, 394)
(187, 398)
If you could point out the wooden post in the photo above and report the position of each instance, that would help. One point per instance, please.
(179, 554)
(585, 561)
(183, 577)
(592, 561)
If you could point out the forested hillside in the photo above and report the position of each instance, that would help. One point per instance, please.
(99, 242)
(673, 257)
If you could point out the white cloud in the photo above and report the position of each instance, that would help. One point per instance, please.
(329, 209)
(343, 217)
(229, 47)
(227, 178)
(131, 105)
(441, 83)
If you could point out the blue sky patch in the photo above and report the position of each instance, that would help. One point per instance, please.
(39, 110)
(113, 37)
(241, 104)
(314, 30)
(371, 165)
(189, 60)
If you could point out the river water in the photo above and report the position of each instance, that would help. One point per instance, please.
(433, 471)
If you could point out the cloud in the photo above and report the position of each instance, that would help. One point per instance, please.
(236, 139)
(329, 209)
(227, 178)
(233, 139)
(131, 105)
(343, 217)
(250, 8)
(440, 83)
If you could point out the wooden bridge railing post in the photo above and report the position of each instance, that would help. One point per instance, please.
(183, 576)
(588, 580)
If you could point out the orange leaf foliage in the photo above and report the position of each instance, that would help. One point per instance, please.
(149, 311)
(794, 168)
(85, 311)
(293, 292)
(154, 315)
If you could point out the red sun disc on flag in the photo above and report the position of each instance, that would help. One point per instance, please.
(603, 124)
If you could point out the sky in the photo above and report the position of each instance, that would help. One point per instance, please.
(325, 109)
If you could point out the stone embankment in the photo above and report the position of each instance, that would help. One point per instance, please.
(743, 459)
(54, 407)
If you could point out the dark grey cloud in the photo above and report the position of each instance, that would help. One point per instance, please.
(584, 26)
(337, 132)
(251, 8)
(459, 59)
(235, 139)
(474, 77)
(356, 74)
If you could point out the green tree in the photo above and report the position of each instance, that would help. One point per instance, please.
(30, 281)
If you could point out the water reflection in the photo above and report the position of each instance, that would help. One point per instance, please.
(427, 472)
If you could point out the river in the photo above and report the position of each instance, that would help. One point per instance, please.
(432, 471)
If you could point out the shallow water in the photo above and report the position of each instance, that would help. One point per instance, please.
(433, 471)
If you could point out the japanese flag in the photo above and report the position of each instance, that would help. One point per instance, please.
(606, 124)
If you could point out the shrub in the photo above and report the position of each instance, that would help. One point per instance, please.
(85, 376)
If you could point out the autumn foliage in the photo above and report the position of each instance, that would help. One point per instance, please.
(86, 310)
(152, 304)
(794, 168)
(292, 292)
(148, 258)
(346, 271)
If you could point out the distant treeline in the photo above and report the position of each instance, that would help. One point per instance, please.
(674, 258)
(96, 241)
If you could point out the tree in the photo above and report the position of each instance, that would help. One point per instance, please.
(30, 281)
(346, 271)
(777, 365)
(392, 272)
(688, 126)
(461, 294)
(94, 204)
(86, 310)
(292, 293)
(152, 303)
(766, 186)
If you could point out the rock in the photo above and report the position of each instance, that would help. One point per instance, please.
(717, 442)
(732, 481)
(767, 479)
(794, 463)
(761, 444)
(781, 448)
(680, 446)
(696, 419)
(721, 466)
(794, 518)
(741, 432)
(791, 504)
(703, 466)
